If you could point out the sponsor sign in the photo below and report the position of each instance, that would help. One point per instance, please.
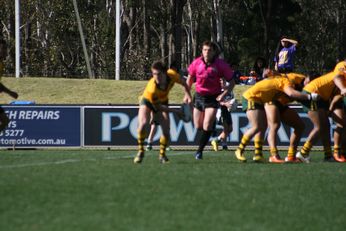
(117, 126)
(42, 126)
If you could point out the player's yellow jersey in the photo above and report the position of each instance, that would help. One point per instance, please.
(324, 85)
(340, 68)
(267, 89)
(154, 94)
(294, 78)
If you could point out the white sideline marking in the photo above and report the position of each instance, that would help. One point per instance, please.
(68, 161)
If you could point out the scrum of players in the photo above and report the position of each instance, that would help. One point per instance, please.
(265, 104)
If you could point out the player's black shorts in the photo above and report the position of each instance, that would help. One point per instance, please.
(339, 105)
(226, 116)
(309, 105)
(147, 103)
(282, 108)
(152, 107)
(201, 102)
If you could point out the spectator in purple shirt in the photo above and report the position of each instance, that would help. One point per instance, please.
(284, 55)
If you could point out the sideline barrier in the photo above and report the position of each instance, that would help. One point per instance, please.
(106, 126)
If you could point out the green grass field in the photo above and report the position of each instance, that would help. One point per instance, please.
(104, 190)
(85, 91)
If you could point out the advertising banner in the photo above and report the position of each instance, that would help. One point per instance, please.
(117, 126)
(97, 126)
(42, 126)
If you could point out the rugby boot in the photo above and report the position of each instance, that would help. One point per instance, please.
(163, 159)
(339, 158)
(149, 147)
(258, 158)
(199, 156)
(292, 159)
(215, 145)
(138, 158)
(302, 158)
(276, 159)
(239, 155)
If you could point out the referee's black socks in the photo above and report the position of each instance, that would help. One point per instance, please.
(205, 136)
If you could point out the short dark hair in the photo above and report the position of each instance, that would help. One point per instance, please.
(160, 66)
(212, 45)
(283, 37)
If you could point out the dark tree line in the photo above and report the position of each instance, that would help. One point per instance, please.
(170, 30)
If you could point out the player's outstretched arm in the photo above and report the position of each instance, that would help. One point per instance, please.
(187, 97)
(294, 94)
(3, 88)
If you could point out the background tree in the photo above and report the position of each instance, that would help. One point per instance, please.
(170, 30)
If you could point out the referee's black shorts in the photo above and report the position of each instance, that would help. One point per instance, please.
(201, 102)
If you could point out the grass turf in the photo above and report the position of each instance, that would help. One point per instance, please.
(104, 190)
(86, 91)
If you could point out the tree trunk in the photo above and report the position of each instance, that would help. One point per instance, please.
(129, 15)
(265, 10)
(146, 28)
(27, 50)
(341, 31)
(218, 24)
(190, 33)
(163, 40)
(175, 50)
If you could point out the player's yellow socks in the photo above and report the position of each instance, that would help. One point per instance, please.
(327, 151)
(244, 141)
(274, 151)
(163, 145)
(291, 151)
(258, 146)
(306, 148)
(337, 150)
(140, 140)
